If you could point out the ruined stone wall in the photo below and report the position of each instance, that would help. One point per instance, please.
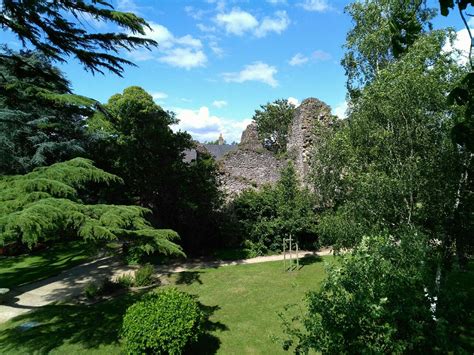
(302, 136)
(252, 166)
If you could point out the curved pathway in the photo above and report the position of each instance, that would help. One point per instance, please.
(70, 283)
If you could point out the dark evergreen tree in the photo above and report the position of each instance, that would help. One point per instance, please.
(47, 204)
(55, 28)
(41, 121)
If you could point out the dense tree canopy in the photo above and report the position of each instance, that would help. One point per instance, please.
(267, 216)
(393, 149)
(56, 29)
(41, 121)
(383, 30)
(48, 204)
(141, 148)
(273, 120)
(399, 192)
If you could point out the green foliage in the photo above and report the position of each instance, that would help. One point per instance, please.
(141, 147)
(162, 323)
(383, 31)
(46, 205)
(273, 122)
(91, 290)
(126, 280)
(273, 213)
(144, 276)
(373, 301)
(56, 30)
(41, 122)
(393, 164)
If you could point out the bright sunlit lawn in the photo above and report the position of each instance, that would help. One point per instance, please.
(243, 302)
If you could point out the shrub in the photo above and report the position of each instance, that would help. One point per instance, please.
(91, 290)
(373, 301)
(144, 276)
(126, 280)
(267, 216)
(163, 322)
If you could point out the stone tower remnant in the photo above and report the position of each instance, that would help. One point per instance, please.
(310, 116)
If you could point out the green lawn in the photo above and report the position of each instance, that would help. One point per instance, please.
(18, 270)
(243, 302)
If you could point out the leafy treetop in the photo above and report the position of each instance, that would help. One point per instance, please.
(273, 122)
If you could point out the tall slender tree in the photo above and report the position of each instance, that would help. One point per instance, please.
(383, 31)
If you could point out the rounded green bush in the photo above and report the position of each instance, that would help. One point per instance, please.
(162, 323)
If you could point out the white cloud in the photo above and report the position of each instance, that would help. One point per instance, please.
(219, 103)
(294, 101)
(256, 71)
(127, 6)
(277, 24)
(182, 52)
(315, 5)
(204, 126)
(340, 110)
(186, 58)
(276, 2)
(158, 95)
(218, 51)
(237, 22)
(321, 55)
(298, 59)
(188, 40)
(196, 14)
(460, 46)
(205, 28)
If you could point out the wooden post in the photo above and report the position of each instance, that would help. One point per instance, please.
(297, 258)
(290, 253)
(284, 255)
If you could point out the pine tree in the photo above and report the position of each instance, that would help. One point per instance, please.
(47, 204)
(56, 29)
(41, 121)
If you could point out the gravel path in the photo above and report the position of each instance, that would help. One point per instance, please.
(70, 283)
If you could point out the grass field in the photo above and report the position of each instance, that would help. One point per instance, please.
(18, 270)
(243, 302)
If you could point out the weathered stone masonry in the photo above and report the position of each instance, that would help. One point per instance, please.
(250, 165)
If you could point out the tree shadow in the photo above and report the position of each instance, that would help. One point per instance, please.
(305, 261)
(41, 264)
(188, 277)
(207, 343)
(91, 326)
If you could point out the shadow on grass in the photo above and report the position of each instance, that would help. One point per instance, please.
(188, 277)
(38, 265)
(207, 343)
(49, 327)
(307, 260)
(91, 326)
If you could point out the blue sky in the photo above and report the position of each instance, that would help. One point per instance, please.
(219, 60)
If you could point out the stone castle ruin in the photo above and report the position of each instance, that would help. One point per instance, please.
(250, 165)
